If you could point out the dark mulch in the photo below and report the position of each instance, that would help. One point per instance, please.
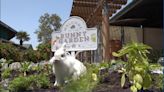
(111, 83)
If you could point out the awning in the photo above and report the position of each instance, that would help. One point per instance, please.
(11, 32)
(91, 10)
(148, 13)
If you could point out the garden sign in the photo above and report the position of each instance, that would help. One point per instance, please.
(76, 35)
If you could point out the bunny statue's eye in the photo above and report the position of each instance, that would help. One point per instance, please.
(62, 55)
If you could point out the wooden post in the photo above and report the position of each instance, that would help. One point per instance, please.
(105, 32)
(122, 35)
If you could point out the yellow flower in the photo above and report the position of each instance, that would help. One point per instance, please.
(94, 76)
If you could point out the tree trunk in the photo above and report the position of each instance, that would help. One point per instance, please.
(21, 42)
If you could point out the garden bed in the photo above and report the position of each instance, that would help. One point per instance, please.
(111, 83)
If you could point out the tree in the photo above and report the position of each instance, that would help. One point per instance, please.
(22, 36)
(48, 24)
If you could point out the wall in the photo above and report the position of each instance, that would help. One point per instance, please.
(153, 37)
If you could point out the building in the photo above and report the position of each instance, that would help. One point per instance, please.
(120, 22)
(6, 32)
(147, 17)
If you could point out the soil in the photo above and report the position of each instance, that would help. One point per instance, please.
(111, 83)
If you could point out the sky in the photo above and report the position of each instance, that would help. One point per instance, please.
(24, 14)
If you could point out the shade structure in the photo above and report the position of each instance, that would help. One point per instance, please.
(148, 13)
(91, 10)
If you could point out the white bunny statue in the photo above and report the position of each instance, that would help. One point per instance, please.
(66, 66)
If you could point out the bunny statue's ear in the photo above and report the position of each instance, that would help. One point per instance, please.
(63, 45)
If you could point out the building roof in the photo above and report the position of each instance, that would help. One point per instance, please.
(5, 27)
(148, 13)
(28, 46)
(91, 10)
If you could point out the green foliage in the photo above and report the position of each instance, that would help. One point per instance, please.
(47, 69)
(105, 64)
(137, 67)
(9, 51)
(38, 81)
(25, 67)
(22, 36)
(32, 55)
(48, 24)
(116, 65)
(155, 55)
(158, 81)
(85, 83)
(2, 89)
(44, 50)
(21, 84)
(6, 73)
(122, 80)
(37, 68)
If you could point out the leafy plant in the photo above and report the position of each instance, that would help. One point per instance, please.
(21, 84)
(6, 73)
(158, 81)
(137, 67)
(155, 55)
(25, 67)
(9, 51)
(38, 81)
(36, 68)
(45, 50)
(32, 55)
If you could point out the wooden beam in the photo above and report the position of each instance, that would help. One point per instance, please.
(84, 4)
(96, 9)
(94, 4)
(122, 2)
(86, 13)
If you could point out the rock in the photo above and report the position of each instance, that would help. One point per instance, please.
(5, 83)
(4, 66)
(15, 66)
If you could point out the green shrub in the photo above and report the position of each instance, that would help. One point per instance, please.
(2, 89)
(85, 83)
(155, 55)
(158, 81)
(25, 67)
(6, 73)
(20, 84)
(42, 81)
(39, 81)
(8, 51)
(32, 55)
(45, 50)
